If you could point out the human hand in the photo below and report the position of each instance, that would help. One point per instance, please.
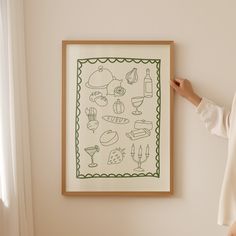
(232, 229)
(184, 88)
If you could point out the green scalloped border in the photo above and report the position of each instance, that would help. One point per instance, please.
(80, 63)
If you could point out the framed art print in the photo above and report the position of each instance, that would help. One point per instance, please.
(117, 117)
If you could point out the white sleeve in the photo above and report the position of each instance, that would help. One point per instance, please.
(216, 118)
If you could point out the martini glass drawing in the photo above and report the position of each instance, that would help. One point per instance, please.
(91, 151)
(137, 102)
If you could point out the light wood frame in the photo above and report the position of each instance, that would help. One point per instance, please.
(63, 116)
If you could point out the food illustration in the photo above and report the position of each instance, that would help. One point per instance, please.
(101, 101)
(95, 95)
(147, 85)
(132, 76)
(103, 78)
(116, 117)
(98, 98)
(92, 117)
(116, 120)
(137, 102)
(91, 151)
(141, 159)
(143, 124)
(100, 78)
(109, 137)
(119, 91)
(138, 134)
(116, 156)
(118, 107)
(115, 88)
(141, 130)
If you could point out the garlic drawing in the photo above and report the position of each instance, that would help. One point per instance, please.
(132, 76)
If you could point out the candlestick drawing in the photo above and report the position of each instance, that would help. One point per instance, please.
(141, 158)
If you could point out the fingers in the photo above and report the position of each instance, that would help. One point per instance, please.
(174, 85)
(180, 80)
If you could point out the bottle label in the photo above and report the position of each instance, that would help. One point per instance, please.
(148, 89)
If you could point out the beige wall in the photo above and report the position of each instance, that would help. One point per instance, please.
(205, 35)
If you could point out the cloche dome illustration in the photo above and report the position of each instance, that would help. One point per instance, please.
(100, 78)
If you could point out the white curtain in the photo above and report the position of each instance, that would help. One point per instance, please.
(16, 217)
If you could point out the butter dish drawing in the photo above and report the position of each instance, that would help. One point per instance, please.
(142, 129)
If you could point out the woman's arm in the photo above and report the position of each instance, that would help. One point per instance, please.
(216, 118)
(232, 229)
(184, 88)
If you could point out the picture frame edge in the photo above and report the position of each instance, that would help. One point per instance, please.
(64, 191)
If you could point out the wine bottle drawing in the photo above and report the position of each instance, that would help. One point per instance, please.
(147, 85)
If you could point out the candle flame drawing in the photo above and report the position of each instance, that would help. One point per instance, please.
(141, 159)
(132, 151)
(147, 151)
(140, 152)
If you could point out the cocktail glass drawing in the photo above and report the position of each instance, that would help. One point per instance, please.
(91, 151)
(137, 102)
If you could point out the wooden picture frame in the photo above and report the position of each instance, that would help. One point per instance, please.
(117, 118)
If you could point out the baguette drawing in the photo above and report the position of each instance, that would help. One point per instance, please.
(116, 120)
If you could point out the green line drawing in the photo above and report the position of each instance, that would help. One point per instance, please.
(157, 81)
(136, 103)
(98, 98)
(132, 76)
(140, 157)
(91, 113)
(103, 78)
(116, 156)
(142, 129)
(91, 152)
(109, 138)
(116, 120)
(147, 85)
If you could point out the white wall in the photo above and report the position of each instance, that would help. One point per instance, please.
(205, 35)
